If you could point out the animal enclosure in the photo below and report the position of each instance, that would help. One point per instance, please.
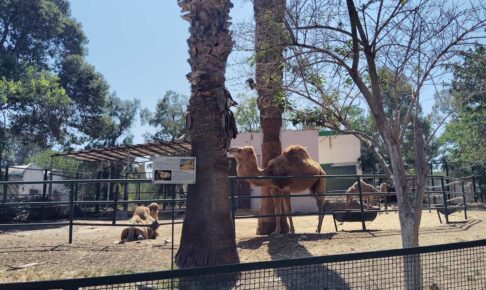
(449, 266)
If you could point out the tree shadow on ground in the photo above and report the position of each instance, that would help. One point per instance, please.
(311, 276)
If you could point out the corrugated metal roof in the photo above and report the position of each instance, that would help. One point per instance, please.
(130, 151)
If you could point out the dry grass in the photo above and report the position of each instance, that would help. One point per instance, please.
(95, 250)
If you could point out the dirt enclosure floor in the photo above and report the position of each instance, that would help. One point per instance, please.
(27, 255)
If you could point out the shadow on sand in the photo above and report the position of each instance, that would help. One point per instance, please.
(308, 277)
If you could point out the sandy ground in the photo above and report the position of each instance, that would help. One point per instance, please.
(95, 250)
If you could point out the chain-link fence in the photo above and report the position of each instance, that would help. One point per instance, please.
(450, 266)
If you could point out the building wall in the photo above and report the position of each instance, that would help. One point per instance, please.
(339, 149)
(32, 173)
(306, 138)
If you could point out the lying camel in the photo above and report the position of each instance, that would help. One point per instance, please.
(368, 191)
(294, 161)
(142, 215)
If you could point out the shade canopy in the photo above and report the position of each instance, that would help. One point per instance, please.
(130, 151)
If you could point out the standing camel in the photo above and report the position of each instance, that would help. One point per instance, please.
(369, 192)
(294, 161)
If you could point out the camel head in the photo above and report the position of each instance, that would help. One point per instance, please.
(245, 153)
(353, 188)
(384, 187)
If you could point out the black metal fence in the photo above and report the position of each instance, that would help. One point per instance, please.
(443, 194)
(450, 266)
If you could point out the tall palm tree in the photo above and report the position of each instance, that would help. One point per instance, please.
(269, 34)
(208, 236)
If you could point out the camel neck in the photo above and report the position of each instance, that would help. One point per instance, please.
(249, 169)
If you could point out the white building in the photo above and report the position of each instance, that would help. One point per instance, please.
(337, 154)
(32, 172)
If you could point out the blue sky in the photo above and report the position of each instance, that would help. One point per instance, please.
(140, 47)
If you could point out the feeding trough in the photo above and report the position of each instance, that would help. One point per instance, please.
(355, 216)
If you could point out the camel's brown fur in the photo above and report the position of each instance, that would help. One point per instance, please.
(142, 215)
(368, 191)
(294, 161)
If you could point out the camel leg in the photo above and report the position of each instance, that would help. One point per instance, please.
(320, 206)
(349, 200)
(288, 210)
(277, 204)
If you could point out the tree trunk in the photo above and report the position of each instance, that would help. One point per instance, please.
(208, 236)
(269, 31)
(410, 207)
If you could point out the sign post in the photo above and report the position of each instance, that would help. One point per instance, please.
(174, 170)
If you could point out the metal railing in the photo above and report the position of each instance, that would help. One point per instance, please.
(443, 191)
(449, 266)
(445, 207)
(72, 203)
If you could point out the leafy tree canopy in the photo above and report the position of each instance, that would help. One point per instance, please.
(115, 123)
(168, 118)
(37, 33)
(49, 95)
(464, 136)
(247, 115)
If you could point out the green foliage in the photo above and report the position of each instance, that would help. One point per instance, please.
(89, 92)
(49, 95)
(115, 122)
(43, 159)
(168, 119)
(247, 114)
(36, 33)
(464, 136)
(33, 107)
(396, 93)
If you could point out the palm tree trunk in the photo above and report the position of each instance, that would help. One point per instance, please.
(208, 236)
(269, 30)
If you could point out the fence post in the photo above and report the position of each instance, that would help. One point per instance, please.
(464, 200)
(363, 225)
(75, 194)
(115, 203)
(71, 213)
(172, 230)
(108, 190)
(138, 190)
(444, 197)
(50, 178)
(125, 194)
(98, 192)
(5, 189)
(44, 195)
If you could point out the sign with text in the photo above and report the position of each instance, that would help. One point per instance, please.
(174, 170)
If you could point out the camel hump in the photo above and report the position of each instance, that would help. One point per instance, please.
(296, 153)
(278, 166)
